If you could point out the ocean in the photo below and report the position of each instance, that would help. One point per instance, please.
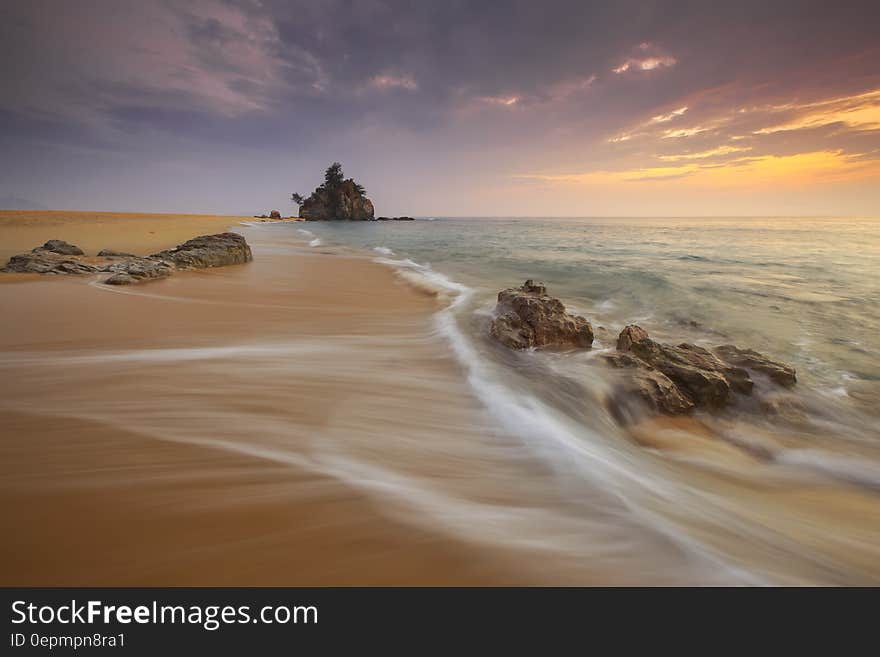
(736, 483)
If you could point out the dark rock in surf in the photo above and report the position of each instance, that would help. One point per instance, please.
(649, 388)
(274, 214)
(700, 377)
(527, 317)
(778, 372)
(703, 377)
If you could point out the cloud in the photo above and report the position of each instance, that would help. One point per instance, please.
(213, 56)
(760, 171)
(393, 81)
(857, 112)
(700, 155)
(502, 101)
(664, 118)
(645, 64)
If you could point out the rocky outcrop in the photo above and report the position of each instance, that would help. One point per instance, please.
(337, 198)
(780, 373)
(200, 252)
(136, 270)
(527, 317)
(647, 387)
(675, 379)
(54, 257)
(46, 262)
(342, 202)
(395, 218)
(60, 247)
(208, 251)
(274, 214)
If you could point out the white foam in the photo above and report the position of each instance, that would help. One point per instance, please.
(315, 242)
(384, 250)
(546, 431)
(857, 471)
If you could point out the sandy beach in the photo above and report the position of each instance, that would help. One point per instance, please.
(87, 501)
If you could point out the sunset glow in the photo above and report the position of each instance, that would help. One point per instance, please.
(445, 111)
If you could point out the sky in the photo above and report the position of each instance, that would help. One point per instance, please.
(551, 108)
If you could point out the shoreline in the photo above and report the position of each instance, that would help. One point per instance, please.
(318, 412)
(93, 495)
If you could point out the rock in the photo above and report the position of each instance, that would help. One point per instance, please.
(110, 253)
(780, 373)
(702, 376)
(120, 279)
(274, 214)
(60, 247)
(343, 202)
(136, 270)
(40, 261)
(208, 251)
(528, 317)
(203, 251)
(629, 335)
(648, 387)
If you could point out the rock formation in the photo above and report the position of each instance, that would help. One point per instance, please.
(657, 377)
(274, 214)
(527, 317)
(336, 199)
(779, 373)
(200, 252)
(675, 379)
(208, 251)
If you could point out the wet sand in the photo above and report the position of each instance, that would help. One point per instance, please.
(87, 500)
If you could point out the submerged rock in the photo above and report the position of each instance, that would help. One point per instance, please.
(705, 378)
(528, 318)
(648, 387)
(701, 378)
(780, 373)
(208, 251)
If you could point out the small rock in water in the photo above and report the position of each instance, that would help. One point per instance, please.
(530, 318)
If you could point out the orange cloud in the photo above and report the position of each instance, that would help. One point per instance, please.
(860, 112)
(747, 172)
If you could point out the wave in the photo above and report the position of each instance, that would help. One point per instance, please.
(384, 250)
(577, 454)
(845, 468)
